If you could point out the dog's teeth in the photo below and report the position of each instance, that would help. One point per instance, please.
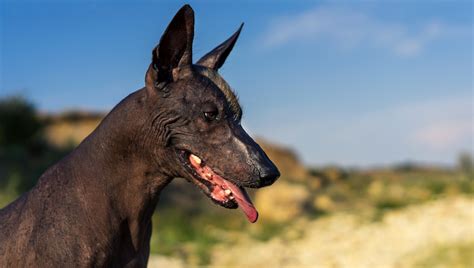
(196, 159)
(227, 192)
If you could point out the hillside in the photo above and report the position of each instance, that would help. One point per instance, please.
(70, 128)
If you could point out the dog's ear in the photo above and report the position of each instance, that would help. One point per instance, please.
(216, 58)
(174, 50)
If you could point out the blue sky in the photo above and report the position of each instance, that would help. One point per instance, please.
(352, 83)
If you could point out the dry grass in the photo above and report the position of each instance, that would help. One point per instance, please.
(436, 234)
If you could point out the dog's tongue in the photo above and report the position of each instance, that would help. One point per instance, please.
(244, 201)
(239, 193)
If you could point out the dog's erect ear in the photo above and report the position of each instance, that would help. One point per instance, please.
(174, 49)
(216, 58)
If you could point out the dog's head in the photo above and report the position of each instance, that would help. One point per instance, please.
(198, 117)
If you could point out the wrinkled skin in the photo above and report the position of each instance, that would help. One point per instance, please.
(223, 143)
(94, 207)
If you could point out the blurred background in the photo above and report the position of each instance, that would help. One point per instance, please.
(365, 106)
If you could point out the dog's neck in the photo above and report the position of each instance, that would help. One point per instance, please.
(118, 178)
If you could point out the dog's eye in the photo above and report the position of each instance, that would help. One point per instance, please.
(211, 115)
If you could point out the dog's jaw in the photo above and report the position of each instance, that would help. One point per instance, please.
(217, 188)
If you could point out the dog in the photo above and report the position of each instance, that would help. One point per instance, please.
(94, 207)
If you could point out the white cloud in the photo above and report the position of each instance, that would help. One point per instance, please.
(444, 135)
(349, 28)
(431, 131)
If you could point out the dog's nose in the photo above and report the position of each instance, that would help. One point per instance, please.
(268, 175)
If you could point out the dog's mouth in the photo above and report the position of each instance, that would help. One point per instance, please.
(220, 190)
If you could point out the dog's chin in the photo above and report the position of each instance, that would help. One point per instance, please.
(219, 190)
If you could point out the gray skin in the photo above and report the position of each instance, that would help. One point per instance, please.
(94, 207)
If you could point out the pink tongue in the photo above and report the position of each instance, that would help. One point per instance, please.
(240, 195)
(244, 202)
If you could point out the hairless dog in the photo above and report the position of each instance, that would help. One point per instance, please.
(94, 207)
